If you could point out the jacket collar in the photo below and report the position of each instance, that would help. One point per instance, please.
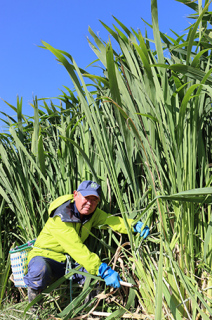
(68, 213)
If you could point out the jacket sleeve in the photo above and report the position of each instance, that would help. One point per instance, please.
(103, 219)
(67, 237)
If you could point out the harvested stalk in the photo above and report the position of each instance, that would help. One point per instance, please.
(127, 284)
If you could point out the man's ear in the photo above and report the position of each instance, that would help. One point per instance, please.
(75, 193)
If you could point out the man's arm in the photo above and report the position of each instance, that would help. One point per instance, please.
(103, 219)
(66, 235)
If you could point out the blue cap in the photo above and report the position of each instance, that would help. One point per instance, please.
(89, 188)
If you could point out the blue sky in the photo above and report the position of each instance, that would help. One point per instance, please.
(27, 70)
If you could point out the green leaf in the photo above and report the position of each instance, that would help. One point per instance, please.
(207, 240)
(159, 288)
(112, 75)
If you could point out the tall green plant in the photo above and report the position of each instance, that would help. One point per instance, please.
(4, 257)
(156, 108)
(145, 135)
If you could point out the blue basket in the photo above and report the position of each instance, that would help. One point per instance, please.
(19, 265)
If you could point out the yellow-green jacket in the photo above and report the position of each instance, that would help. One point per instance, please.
(64, 233)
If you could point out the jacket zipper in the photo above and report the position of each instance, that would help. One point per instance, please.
(80, 230)
(81, 225)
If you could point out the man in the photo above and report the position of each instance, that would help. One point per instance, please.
(71, 217)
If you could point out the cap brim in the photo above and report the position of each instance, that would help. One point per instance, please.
(89, 193)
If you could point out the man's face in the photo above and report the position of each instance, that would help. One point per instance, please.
(85, 205)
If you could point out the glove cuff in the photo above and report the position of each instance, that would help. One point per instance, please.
(103, 267)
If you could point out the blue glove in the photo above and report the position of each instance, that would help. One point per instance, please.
(137, 228)
(110, 276)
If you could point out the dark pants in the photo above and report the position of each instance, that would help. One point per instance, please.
(43, 271)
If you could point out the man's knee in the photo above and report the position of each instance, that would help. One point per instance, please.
(39, 273)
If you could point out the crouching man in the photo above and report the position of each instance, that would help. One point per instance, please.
(71, 217)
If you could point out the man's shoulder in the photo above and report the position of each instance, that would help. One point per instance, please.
(59, 201)
(99, 216)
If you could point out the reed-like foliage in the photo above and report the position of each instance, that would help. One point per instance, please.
(144, 134)
(157, 118)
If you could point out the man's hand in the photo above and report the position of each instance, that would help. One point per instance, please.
(110, 276)
(137, 228)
